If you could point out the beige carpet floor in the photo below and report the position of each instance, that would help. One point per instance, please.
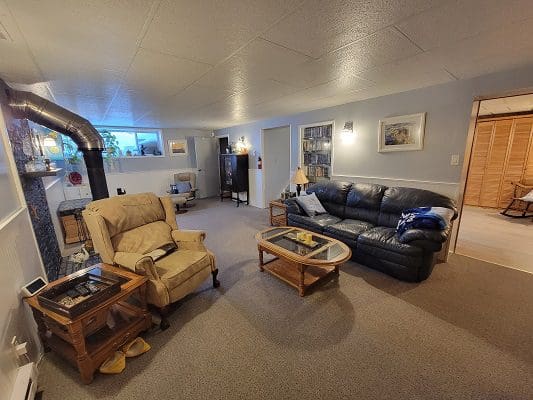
(465, 333)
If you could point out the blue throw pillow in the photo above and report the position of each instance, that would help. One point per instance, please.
(183, 187)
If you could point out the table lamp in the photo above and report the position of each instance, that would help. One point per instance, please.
(299, 179)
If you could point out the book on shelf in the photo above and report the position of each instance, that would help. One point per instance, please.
(323, 131)
(317, 158)
(318, 171)
(316, 145)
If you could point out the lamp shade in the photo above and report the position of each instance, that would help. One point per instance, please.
(299, 177)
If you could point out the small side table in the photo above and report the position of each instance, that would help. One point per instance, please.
(278, 213)
(86, 341)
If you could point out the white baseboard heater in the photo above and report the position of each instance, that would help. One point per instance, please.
(25, 383)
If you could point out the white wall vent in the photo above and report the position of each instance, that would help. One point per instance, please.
(25, 383)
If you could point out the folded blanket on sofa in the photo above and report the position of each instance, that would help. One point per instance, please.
(437, 218)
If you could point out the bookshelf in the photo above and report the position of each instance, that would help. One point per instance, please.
(316, 142)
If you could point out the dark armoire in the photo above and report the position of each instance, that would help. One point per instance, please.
(234, 177)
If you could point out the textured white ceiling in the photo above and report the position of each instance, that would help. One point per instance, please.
(506, 105)
(211, 64)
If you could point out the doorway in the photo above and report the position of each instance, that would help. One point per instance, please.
(276, 161)
(206, 166)
(500, 169)
(223, 144)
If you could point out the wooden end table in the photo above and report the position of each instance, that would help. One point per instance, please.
(87, 341)
(278, 213)
(296, 263)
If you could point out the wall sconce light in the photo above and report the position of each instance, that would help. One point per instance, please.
(241, 147)
(347, 133)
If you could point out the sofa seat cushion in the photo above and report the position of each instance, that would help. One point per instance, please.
(177, 267)
(348, 229)
(316, 223)
(382, 242)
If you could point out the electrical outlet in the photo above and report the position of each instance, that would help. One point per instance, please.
(455, 159)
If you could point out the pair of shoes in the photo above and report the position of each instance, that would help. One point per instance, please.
(136, 347)
(117, 362)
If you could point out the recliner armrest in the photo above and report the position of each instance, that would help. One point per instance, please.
(139, 263)
(188, 235)
(293, 207)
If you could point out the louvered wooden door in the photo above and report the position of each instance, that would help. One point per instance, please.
(516, 158)
(527, 178)
(490, 187)
(502, 153)
(478, 162)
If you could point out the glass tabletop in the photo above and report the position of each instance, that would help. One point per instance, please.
(286, 238)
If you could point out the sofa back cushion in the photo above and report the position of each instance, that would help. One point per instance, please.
(144, 238)
(364, 201)
(123, 213)
(332, 195)
(397, 199)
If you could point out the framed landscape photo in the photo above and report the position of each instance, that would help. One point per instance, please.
(177, 147)
(403, 133)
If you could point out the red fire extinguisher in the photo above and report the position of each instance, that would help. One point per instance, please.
(259, 163)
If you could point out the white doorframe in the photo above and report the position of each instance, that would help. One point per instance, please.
(468, 156)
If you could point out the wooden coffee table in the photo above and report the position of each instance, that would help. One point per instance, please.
(299, 264)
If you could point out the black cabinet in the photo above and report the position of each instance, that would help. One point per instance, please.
(234, 177)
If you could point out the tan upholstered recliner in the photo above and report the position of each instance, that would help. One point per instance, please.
(181, 198)
(124, 229)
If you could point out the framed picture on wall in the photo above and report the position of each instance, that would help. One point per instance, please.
(403, 133)
(177, 147)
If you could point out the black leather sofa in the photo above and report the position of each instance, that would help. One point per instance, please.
(365, 216)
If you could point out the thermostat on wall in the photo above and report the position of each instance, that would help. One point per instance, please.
(33, 287)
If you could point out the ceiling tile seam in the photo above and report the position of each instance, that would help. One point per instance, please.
(140, 37)
(30, 52)
(373, 33)
(226, 58)
(451, 74)
(175, 56)
(408, 38)
(5, 32)
(288, 48)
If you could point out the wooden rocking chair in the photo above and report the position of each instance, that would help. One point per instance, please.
(520, 203)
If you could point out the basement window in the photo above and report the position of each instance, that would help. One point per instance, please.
(132, 142)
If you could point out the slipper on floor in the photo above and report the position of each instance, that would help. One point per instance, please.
(114, 364)
(136, 347)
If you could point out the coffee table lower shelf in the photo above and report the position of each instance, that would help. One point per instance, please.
(299, 276)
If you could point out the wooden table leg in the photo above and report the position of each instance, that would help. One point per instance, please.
(41, 328)
(301, 284)
(82, 357)
(261, 261)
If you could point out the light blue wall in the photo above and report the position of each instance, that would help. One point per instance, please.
(448, 108)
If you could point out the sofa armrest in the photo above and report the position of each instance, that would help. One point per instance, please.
(188, 235)
(293, 207)
(139, 263)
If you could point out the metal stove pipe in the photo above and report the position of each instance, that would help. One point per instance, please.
(37, 109)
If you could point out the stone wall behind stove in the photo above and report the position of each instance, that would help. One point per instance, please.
(19, 131)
